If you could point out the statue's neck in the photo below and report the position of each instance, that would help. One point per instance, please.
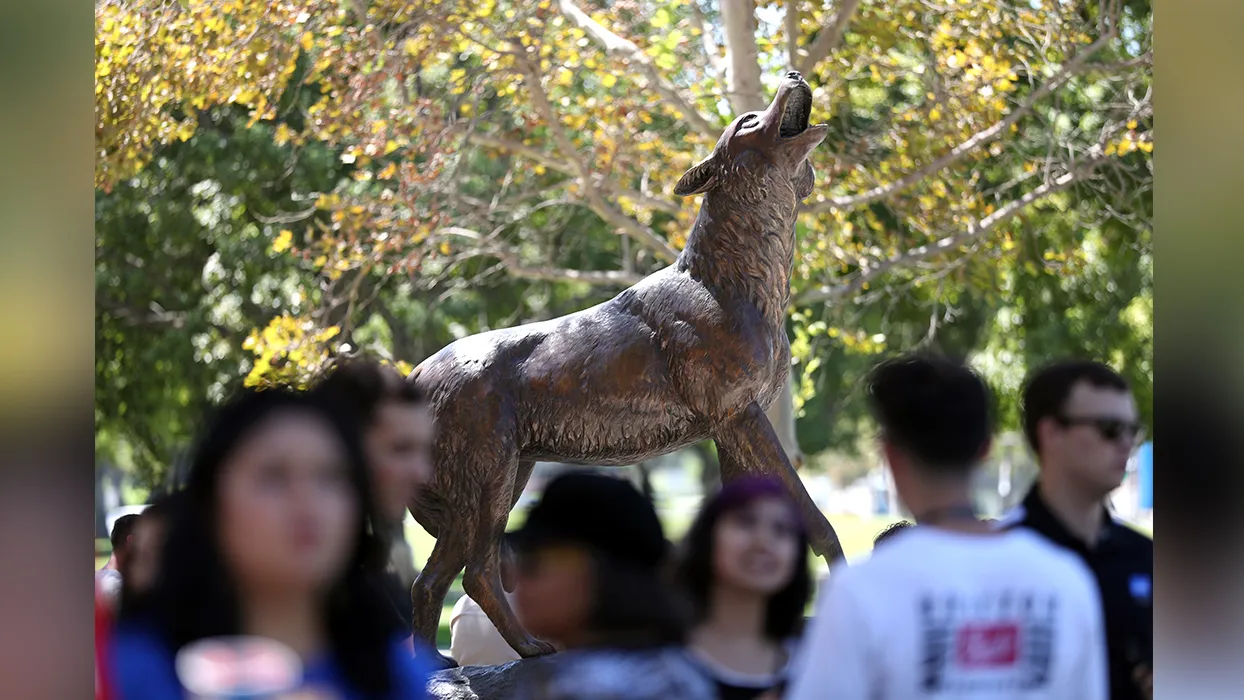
(743, 253)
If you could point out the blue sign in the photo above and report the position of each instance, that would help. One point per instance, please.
(1144, 471)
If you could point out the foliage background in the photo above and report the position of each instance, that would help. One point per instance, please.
(280, 182)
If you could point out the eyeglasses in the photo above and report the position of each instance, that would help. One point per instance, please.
(1111, 429)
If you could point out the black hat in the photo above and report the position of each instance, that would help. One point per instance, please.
(604, 513)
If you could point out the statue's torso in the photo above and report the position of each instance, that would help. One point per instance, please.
(646, 373)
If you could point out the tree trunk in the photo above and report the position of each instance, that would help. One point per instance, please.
(742, 58)
(710, 469)
(645, 481)
(782, 416)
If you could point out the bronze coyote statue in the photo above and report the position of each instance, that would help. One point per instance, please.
(697, 350)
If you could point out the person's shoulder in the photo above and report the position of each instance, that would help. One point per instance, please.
(1128, 537)
(1013, 518)
(463, 606)
(142, 662)
(657, 673)
(411, 668)
(1038, 554)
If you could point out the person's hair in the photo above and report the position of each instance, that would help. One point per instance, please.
(937, 410)
(194, 597)
(1047, 390)
(695, 573)
(634, 608)
(357, 386)
(122, 528)
(136, 603)
(890, 531)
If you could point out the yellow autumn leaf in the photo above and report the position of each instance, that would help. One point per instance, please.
(306, 41)
(608, 80)
(283, 241)
(1131, 125)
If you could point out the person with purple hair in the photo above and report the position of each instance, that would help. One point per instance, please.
(744, 567)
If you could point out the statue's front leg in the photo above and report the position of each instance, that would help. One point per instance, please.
(749, 445)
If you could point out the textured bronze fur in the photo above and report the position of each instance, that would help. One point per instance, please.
(697, 350)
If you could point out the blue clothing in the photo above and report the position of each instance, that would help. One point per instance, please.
(143, 668)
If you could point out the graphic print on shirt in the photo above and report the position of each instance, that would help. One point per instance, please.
(991, 642)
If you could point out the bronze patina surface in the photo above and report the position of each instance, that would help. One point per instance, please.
(697, 350)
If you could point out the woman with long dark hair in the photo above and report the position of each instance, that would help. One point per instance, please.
(273, 537)
(745, 568)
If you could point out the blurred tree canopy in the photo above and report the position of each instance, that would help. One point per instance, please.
(279, 182)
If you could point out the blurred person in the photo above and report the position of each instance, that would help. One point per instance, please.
(272, 538)
(950, 607)
(143, 563)
(1081, 420)
(108, 579)
(474, 640)
(590, 561)
(890, 531)
(745, 568)
(395, 421)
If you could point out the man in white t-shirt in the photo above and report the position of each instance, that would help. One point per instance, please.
(950, 608)
(474, 640)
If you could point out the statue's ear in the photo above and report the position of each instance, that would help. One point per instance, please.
(699, 179)
(805, 181)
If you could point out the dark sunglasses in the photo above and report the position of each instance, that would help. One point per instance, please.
(1111, 429)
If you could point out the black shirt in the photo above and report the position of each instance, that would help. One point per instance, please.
(1122, 563)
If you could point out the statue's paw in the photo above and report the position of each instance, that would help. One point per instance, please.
(532, 647)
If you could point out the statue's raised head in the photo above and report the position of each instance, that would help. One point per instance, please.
(763, 154)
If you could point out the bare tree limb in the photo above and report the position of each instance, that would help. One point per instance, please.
(615, 45)
(514, 266)
(974, 230)
(830, 37)
(792, 34)
(743, 87)
(611, 214)
(1069, 70)
(522, 149)
(711, 49)
(597, 180)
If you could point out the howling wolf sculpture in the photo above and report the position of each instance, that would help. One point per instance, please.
(697, 350)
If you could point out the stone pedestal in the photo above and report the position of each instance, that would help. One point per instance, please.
(483, 682)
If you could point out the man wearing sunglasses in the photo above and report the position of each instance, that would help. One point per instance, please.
(1081, 420)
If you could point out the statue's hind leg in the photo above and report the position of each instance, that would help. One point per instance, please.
(749, 445)
(427, 596)
(482, 580)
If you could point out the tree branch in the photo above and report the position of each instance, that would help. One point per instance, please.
(515, 267)
(792, 34)
(615, 45)
(1066, 73)
(715, 60)
(743, 86)
(599, 181)
(830, 37)
(974, 230)
(604, 209)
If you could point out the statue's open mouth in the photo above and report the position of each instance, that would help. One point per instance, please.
(798, 109)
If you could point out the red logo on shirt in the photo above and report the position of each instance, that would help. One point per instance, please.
(987, 645)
